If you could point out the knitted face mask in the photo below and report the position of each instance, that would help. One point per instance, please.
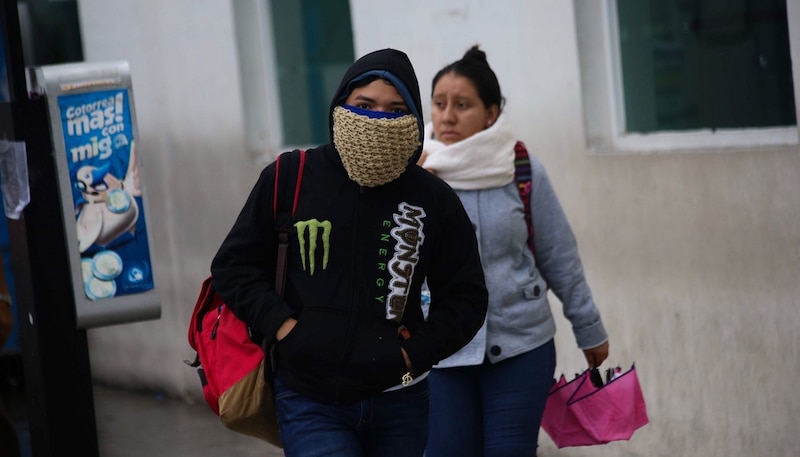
(374, 150)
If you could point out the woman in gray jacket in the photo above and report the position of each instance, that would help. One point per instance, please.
(488, 398)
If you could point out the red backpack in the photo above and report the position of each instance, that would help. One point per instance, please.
(234, 373)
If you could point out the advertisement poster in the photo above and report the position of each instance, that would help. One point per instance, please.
(106, 193)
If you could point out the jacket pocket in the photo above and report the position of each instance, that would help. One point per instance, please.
(534, 290)
(527, 307)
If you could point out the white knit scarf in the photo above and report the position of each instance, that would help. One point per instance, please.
(482, 161)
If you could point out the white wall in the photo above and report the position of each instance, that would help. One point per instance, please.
(186, 88)
(693, 258)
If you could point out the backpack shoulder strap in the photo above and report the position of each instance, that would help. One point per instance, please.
(288, 177)
(522, 175)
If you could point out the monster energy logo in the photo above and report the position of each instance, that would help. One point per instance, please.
(313, 227)
(409, 236)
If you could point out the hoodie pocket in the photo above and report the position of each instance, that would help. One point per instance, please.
(314, 345)
(534, 290)
(528, 307)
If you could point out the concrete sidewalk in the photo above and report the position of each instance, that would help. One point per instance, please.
(141, 424)
(144, 425)
(134, 424)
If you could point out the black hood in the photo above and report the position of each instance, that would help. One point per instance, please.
(394, 66)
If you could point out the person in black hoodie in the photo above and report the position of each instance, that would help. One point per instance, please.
(351, 345)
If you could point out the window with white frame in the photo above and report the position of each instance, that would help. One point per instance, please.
(292, 55)
(688, 75)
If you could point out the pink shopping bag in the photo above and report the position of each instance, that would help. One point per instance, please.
(579, 414)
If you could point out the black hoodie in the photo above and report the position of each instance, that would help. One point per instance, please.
(383, 242)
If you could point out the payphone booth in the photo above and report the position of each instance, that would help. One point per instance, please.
(76, 212)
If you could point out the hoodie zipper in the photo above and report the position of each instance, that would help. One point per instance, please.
(356, 297)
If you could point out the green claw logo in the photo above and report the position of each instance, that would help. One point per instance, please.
(313, 227)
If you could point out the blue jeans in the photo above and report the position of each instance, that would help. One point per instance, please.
(490, 410)
(390, 424)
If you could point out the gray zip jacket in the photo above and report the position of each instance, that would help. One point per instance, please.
(519, 317)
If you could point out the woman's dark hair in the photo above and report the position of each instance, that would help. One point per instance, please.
(473, 66)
